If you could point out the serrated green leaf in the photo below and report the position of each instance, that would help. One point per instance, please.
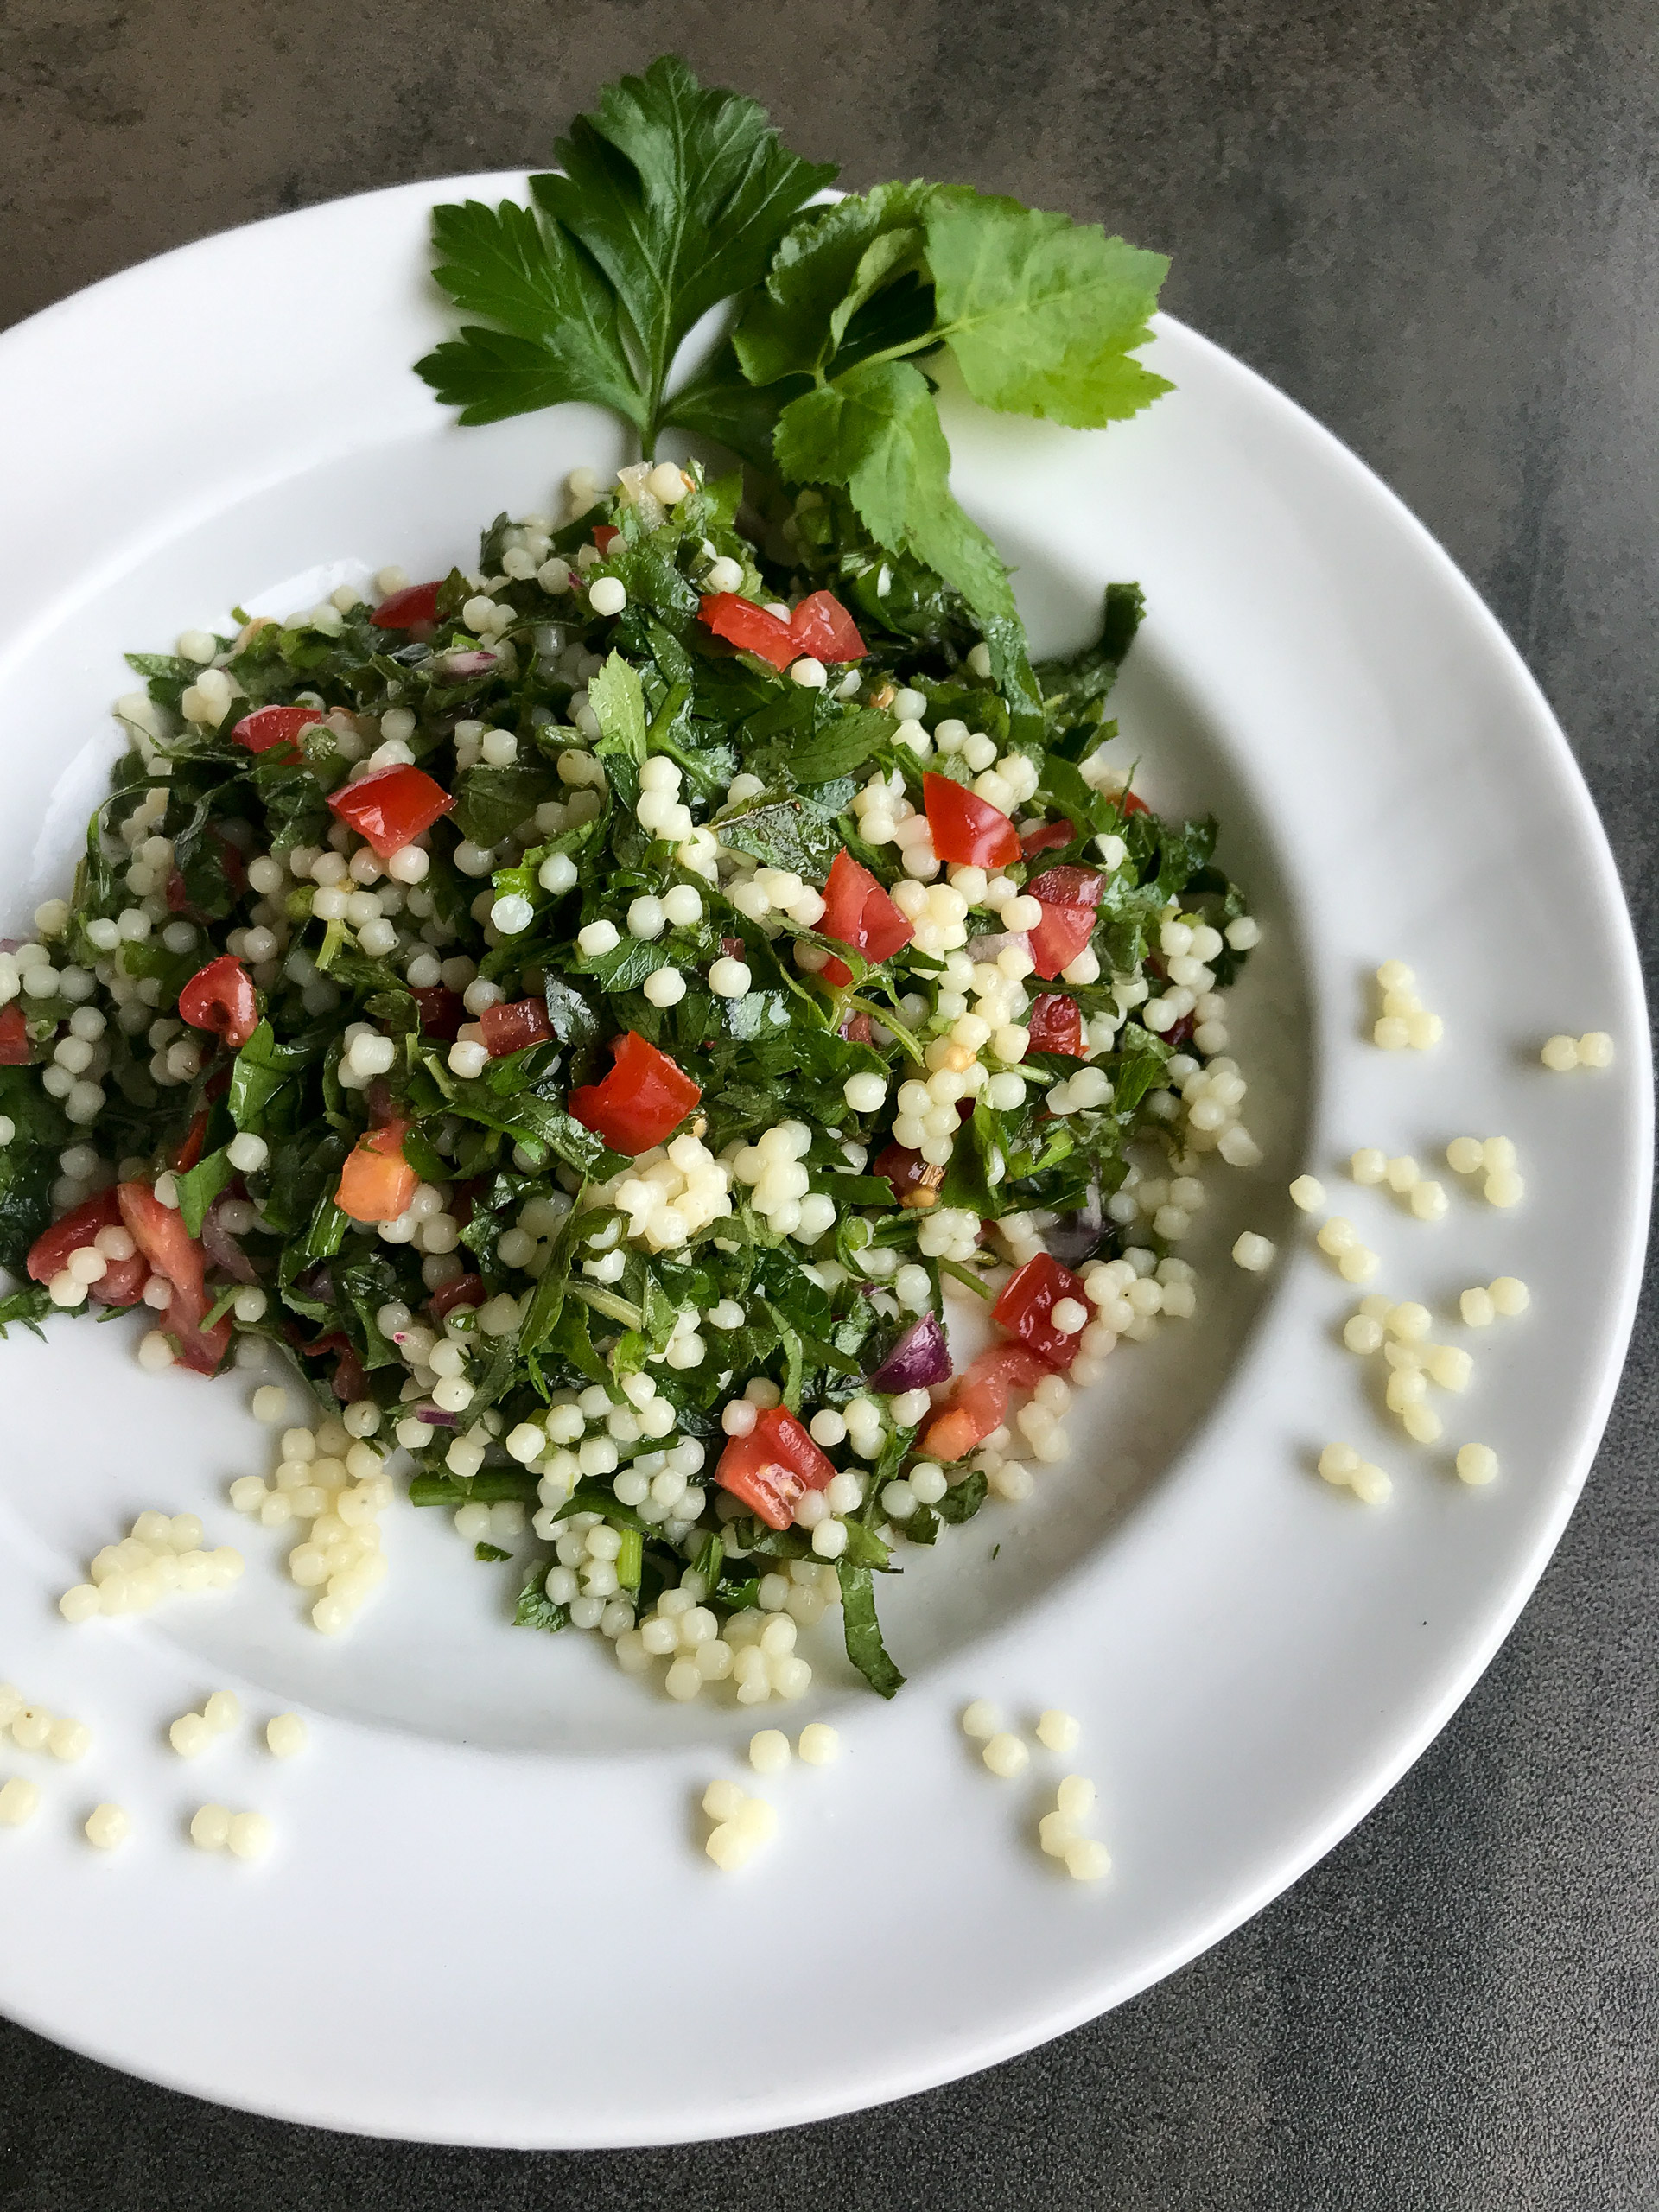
(619, 703)
(1042, 313)
(825, 267)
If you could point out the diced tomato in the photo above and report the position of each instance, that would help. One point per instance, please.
(188, 1153)
(979, 1403)
(1067, 886)
(122, 1282)
(268, 725)
(1131, 802)
(644, 1098)
(176, 893)
(49, 1254)
(351, 1383)
(915, 1183)
(742, 623)
(605, 535)
(822, 627)
(413, 608)
(1026, 1305)
(221, 997)
(1048, 837)
(442, 1012)
(968, 830)
(512, 1025)
(161, 1235)
(376, 1182)
(858, 1029)
(1055, 1024)
(467, 1290)
(391, 806)
(772, 1468)
(232, 861)
(14, 1037)
(858, 912)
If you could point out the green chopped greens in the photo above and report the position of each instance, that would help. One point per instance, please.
(580, 1142)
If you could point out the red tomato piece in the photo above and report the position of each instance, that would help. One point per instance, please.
(187, 1154)
(268, 725)
(1026, 1306)
(161, 1235)
(376, 1182)
(968, 830)
(467, 1290)
(391, 806)
(1067, 886)
(979, 1403)
(442, 1012)
(350, 1383)
(513, 1024)
(742, 623)
(1055, 1024)
(644, 1098)
(177, 896)
(772, 1468)
(822, 627)
(49, 1254)
(221, 997)
(605, 535)
(413, 608)
(1048, 837)
(122, 1282)
(14, 1037)
(858, 912)
(914, 1182)
(1059, 938)
(1131, 802)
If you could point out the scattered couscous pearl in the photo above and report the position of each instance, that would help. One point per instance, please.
(1478, 1308)
(1428, 1200)
(1363, 1333)
(1005, 1756)
(1253, 1252)
(981, 1719)
(250, 1835)
(1595, 1049)
(1087, 1859)
(1058, 1730)
(190, 1735)
(1476, 1463)
(1075, 1798)
(1357, 1264)
(108, 1826)
(68, 1739)
(210, 1827)
(1421, 1423)
(1463, 1155)
(723, 1800)
(1342, 1466)
(1307, 1192)
(1408, 1320)
(1369, 1165)
(270, 1402)
(1337, 1237)
(819, 1744)
(1056, 1835)
(608, 595)
(286, 1735)
(769, 1751)
(19, 1800)
(1504, 1188)
(1509, 1294)
(222, 1710)
(1561, 1053)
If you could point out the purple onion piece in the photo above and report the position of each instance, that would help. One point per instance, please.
(434, 1416)
(223, 1250)
(920, 1358)
(469, 664)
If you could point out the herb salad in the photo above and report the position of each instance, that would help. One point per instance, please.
(589, 1010)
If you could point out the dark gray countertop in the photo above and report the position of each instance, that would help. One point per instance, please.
(1436, 227)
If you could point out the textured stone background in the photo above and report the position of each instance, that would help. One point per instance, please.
(1434, 225)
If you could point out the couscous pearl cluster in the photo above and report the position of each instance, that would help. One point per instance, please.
(1006, 1755)
(336, 1482)
(1403, 1021)
(192, 1733)
(1506, 1294)
(1494, 1159)
(1593, 1050)
(36, 1728)
(160, 1557)
(244, 1836)
(1371, 1166)
(1344, 1468)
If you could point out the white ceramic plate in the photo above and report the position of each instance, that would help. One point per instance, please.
(488, 1918)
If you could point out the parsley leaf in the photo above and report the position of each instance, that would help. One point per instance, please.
(562, 336)
(833, 261)
(679, 194)
(1042, 313)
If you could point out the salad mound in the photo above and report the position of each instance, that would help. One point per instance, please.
(589, 1012)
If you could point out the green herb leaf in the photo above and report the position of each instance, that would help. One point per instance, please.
(1042, 313)
(619, 703)
(200, 1188)
(535, 1608)
(679, 194)
(560, 337)
(829, 264)
(489, 1552)
(862, 1631)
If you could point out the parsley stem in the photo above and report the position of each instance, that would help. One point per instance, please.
(895, 1028)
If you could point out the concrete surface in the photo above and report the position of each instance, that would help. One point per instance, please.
(1435, 226)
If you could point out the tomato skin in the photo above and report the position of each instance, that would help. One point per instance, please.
(979, 1403)
(915, 1184)
(49, 1254)
(221, 997)
(413, 608)
(467, 1290)
(1048, 836)
(442, 1012)
(514, 1025)
(1131, 802)
(161, 1235)
(14, 1037)
(122, 1282)
(268, 725)
(644, 1098)
(1026, 1303)
(1055, 1025)
(968, 830)
(391, 806)
(749, 627)
(377, 1183)
(772, 1468)
(605, 535)
(822, 627)
(1067, 886)
(858, 912)
(1068, 897)
(187, 1154)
